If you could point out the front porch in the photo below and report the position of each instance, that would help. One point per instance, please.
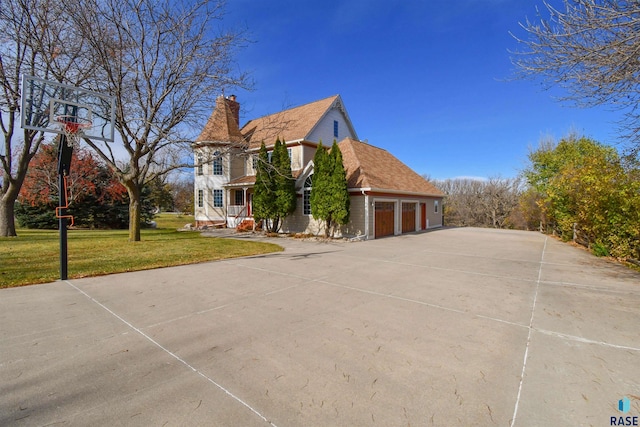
(239, 207)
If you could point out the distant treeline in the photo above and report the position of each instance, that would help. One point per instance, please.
(577, 189)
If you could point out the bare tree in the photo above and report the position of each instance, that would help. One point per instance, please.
(592, 49)
(499, 198)
(165, 62)
(36, 38)
(480, 203)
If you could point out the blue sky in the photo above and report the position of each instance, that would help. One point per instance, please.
(430, 81)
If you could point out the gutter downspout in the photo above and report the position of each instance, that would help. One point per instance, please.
(366, 214)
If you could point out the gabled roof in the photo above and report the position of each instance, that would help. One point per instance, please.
(222, 126)
(294, 124)
(376, 169)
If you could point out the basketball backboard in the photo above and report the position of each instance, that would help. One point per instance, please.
(50, 106)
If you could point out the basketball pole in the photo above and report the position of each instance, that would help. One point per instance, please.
(52, 107)
(64, 166)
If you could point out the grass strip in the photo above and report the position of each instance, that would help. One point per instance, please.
(34, 256)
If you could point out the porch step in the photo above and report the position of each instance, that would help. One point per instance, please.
(245, 225)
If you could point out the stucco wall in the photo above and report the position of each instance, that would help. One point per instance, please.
(435, 218)
(237, 162)
(296, 159)
(307, 153)
(356, 225)
(300, 223)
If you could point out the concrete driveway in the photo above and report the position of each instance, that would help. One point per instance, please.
(455, 327)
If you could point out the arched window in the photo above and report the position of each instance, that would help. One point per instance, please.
(306, 195)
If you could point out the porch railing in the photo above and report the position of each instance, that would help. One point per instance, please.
(236, 210)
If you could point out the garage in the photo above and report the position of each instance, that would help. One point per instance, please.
(408, 217)
(384, 219)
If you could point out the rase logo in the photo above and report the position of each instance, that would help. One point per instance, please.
(624, 405)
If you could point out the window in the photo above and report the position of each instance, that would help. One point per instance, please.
(217, 198)
(335, 128)
(239, 198)
(254, 162)
(199, 165)
(306, 196)
(200, 198)
(217, 166)
(435, 206)
(306, 202)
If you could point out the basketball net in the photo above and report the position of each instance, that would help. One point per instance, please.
(73, 127)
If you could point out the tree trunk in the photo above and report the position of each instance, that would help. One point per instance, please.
(8, 197)
(134, 211)
(7, 219)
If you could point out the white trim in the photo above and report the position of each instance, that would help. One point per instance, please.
(286, 143)
(366, 214)
(240, 184)
(308, 170)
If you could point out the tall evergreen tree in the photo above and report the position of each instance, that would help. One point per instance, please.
(320, 190)
(329, 194)
(284, 184)
(263, 196)
(340, 202)
(274, 192)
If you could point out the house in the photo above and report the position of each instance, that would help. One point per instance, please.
(387, 197)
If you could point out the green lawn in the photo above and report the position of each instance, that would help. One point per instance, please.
(34, 257)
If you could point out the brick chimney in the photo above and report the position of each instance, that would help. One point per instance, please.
(234, 106)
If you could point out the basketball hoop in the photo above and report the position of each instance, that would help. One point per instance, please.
(72, 125)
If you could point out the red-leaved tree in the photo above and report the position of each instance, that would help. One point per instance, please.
(92, 189)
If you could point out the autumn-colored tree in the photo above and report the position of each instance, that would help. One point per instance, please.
(586, 188)
(96, 198)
